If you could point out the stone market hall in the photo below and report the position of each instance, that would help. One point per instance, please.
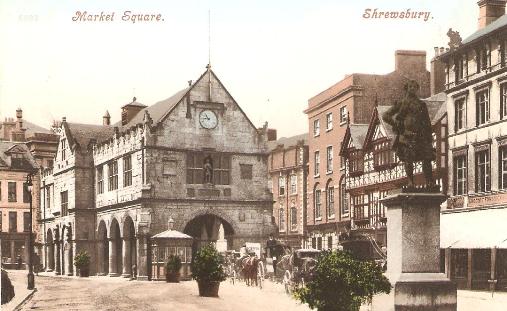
(194, 159)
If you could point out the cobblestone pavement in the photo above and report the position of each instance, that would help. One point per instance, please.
(104, 293)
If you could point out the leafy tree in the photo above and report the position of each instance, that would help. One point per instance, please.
(342, 283)
(207, 265)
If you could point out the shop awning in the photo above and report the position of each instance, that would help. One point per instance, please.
(474, 229)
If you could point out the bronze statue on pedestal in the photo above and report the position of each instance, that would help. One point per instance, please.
(411, 123)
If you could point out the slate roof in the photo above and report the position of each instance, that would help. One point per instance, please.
(171, 234)
(288, 141)
(6, 146)
(497, 24)
(32, 128)
(81, 134)
(158, 110)
(436, 106)
(358, 134)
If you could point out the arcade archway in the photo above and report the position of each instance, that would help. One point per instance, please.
(209, 228)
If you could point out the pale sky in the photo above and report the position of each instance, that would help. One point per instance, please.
(272, 56)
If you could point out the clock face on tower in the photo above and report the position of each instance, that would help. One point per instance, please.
(208, 119)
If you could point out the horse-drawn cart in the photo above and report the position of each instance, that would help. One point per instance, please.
(247, 266)
(298, 268)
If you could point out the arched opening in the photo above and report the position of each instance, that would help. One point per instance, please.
(129, 247)
(209, 228)
(102, 250)
(115, 250)
(50, 251)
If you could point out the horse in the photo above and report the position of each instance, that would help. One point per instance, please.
(249, 266)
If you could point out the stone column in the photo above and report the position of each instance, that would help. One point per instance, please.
(413, 250)
(127, 264)
(112, 258)
(57, 257)
(100, 258)
(142, 258)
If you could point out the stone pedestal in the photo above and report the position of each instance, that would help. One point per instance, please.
(413, 253)
(221, 245)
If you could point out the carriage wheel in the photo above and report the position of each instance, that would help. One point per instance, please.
(287, 281)
(260, 274)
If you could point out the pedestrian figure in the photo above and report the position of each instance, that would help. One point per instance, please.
(18, 262)
(134, 271)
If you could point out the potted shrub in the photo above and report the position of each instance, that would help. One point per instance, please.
(208, 271)
(342, 283)
(82, 262)
(172, 269)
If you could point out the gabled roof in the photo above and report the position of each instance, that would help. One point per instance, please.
(436, 110)
(497, 24)
(288, 141)
(160, 110)
(7, 147)
(82, 134)
(354, 135)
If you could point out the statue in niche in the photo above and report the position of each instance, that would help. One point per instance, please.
(411, 123)
(208, 170)
(454, 39)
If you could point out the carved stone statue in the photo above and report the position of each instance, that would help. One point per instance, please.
(411, 123)
(454, 39)
(208, 170)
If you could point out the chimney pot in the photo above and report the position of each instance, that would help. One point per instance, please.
(64, 119)
(489, 11)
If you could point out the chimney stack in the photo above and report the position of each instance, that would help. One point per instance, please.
(489, 11)
(410, 61)
(106, 119)
(437, 73)
(19, 117)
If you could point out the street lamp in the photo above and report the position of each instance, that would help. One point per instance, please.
(31, 279)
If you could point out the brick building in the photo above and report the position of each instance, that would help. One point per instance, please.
(194, 158)
(350, 100)
(373, 171)
(473, 225)
(24, 148)
(288, 171)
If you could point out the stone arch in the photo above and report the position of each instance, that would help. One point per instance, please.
(102, 248)
(205, 228)
(126, 218)
(50, 251)
(115, 248)
(203, 212)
